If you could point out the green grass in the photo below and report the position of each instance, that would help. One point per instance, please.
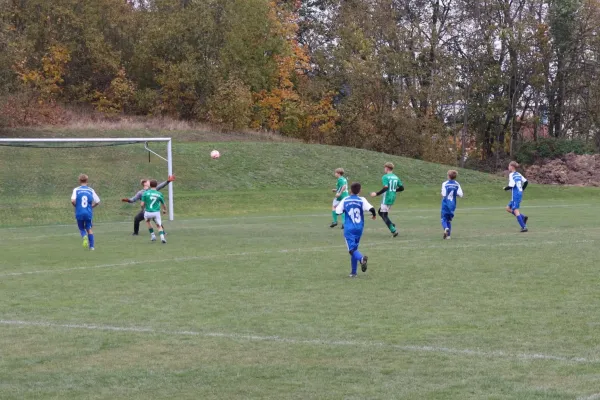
(260, 307)
(250, 299)
(35, 184)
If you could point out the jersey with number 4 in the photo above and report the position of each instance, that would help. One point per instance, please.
(450, 191)
(152, 200)
(354, 206)
(84, 197)
(392, 182)
(516, 181)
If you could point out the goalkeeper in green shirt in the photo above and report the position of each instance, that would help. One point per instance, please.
(341, 192)
(391, 185)
(153, 202)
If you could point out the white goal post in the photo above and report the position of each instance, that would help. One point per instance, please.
(168, 159)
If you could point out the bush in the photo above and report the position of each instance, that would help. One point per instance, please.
(231, 104)
(530, 152)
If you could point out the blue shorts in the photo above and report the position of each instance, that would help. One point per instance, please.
(352, 241)
(447, 217)
(447, 214)
(514, 204)
(84, 224)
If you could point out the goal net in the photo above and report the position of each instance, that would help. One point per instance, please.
(37, 177)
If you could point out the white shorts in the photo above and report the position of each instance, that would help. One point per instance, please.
(148, 216)
(385, 208)
(335, 202)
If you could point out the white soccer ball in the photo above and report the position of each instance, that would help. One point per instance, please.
(215, 154)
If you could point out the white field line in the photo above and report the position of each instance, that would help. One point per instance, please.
(380, 246)
(181, 228)
(592, 397)
(250, 217)
(315, 342)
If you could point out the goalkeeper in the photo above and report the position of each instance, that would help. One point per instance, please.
(138, 196)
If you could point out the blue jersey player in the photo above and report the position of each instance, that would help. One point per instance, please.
(84, 199)
(516, 184)
(450, 191)
(355, 206)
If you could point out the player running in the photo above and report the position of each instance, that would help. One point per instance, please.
(517, 184)
(354, 206)
(450, 191)
(153, 202)
(341, 192)
(145, 186)
(391, 185)
(84, 199)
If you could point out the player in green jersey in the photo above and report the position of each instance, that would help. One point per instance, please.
(153, 202)
(391, 185)
(341, 192)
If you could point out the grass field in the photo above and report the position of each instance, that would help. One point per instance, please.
(250, 298)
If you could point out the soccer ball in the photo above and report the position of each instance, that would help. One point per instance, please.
(215, 154)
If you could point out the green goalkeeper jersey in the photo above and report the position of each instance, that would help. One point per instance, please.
(152, 200)
(392, 182)
(341, 182)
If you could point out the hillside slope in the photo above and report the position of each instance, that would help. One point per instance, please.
(249, 178)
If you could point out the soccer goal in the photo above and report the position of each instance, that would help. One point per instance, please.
(37, 176)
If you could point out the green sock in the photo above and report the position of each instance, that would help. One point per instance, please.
(151, 230)
(161, 233)
(334, 215)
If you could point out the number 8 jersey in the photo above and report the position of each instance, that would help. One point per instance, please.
(354, 206)
(84, 197)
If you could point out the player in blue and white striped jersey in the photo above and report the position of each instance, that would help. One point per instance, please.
(450, 191)
(516, 184)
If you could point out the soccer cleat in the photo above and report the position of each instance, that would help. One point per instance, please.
(525, 219)
(524, 230)
(153, 238)
(92, 249)
(363, 263)
(446, 233)
(395, 234)
(86, 242)
(342, 226)
(352, 276)
(163, 240)
(448, 238)
(135, 234)
(333, 225)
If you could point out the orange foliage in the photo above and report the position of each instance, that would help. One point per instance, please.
(47, 80)
(282, 108)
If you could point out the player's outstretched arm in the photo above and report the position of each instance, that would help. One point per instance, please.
(382, 191)
(136, 197)
(507, 187)
(400, 188)
(161, 185)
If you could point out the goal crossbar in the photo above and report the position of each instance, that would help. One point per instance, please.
(168, 140)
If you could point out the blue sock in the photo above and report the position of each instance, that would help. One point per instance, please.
(521, 221)
(449, 227)
(444, 224)
(91, 237)
(357, 255)
(82, 232)
(354, 264)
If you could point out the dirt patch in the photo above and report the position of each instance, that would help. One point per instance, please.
(571, 169)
